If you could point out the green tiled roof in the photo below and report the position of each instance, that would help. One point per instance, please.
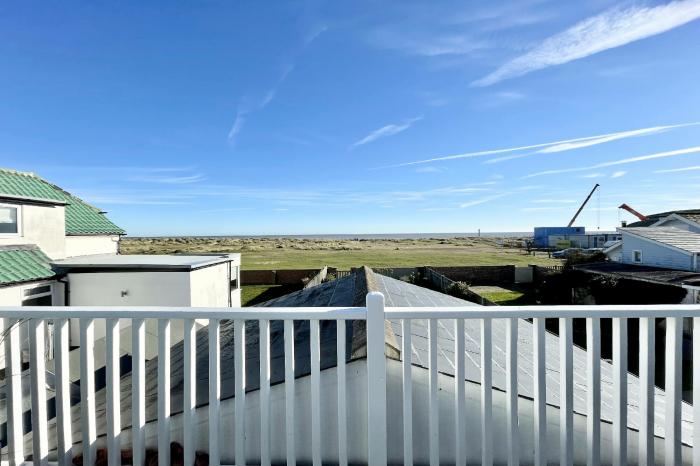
(23, 264)
(81, 217)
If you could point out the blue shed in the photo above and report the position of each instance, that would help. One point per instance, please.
(542, 234)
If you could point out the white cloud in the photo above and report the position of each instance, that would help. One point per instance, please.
(170, 179)
(618, 174)
(483, 200)
(386, 131)
(553, 201)
(428, 169)
(237, 126)
(678, 170)
(563, 145)
(641, 158)
(613, 28)
(603, 139)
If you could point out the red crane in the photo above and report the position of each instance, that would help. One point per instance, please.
(633, 212)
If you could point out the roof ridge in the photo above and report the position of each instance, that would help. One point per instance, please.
(18, 172)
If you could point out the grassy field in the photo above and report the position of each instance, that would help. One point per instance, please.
(284, 253)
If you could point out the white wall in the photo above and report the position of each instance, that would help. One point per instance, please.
(654, 254)
(42, 225)
(209, 286)
(139, 288)
(129, 289)
(90, 245)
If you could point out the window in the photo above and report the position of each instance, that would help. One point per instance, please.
(9, 220)
(637, 256)
(235, 282)
(41, 295)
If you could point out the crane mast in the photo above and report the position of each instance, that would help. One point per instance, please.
(583, 205)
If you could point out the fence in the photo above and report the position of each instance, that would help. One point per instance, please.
(375, 315)
(445, 284)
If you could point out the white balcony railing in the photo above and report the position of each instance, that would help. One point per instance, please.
(60, 444)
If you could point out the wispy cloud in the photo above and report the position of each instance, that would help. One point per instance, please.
(288, 65)
(483, 200)
(679, 170)
(641, 158)
(237, 125)
(386, 131)
(593, 175)
(613, 28)
(170, 179)
(553, 201)
(562, 145)
(618, 174)
(428, 169)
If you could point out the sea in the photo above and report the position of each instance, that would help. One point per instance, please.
(357, 236)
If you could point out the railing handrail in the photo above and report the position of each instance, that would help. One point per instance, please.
(153, 312)
(546, 311)
(351, 313)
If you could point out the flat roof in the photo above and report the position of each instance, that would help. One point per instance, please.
(645, 273)
(143, 261)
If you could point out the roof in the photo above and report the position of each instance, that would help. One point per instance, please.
(671, 236)
(396, 293)
(612, 247)
(643, 273)
(20, 264)
(690, 214)
(112, 261)
(81, 217)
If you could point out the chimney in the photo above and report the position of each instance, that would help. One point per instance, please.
(624, 223)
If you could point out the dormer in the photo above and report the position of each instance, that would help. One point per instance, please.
(41, 222)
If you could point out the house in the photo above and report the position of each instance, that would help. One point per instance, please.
(58, 250)
(661, 246)
(663, 256)
(350, 291)
(39, 223)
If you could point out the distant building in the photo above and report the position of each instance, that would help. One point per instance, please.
(572, 237)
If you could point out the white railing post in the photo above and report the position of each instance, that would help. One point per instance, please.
(13, 384)
(376, 381)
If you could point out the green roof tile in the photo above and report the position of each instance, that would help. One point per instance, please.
(22, 264)
(81, 217)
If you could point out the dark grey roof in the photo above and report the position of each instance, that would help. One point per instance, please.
(690, 214)
(643, 272)
(348, 291)
(680, 239)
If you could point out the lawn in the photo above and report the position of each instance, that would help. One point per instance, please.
(505, 297)
(255, 294)
(284, 253)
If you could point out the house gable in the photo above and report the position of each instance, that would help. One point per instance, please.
(680, 222)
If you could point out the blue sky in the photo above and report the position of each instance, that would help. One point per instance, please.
(355, 117)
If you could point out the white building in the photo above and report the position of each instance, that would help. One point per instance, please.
(58, 250)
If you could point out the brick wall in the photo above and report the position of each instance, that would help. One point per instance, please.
(480, 275)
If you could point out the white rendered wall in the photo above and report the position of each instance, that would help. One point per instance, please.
(44, 226)
(91, 245)
(139, 288)
(210, 286)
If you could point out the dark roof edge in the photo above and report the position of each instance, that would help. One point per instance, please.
(30, 200)
(364, 284)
